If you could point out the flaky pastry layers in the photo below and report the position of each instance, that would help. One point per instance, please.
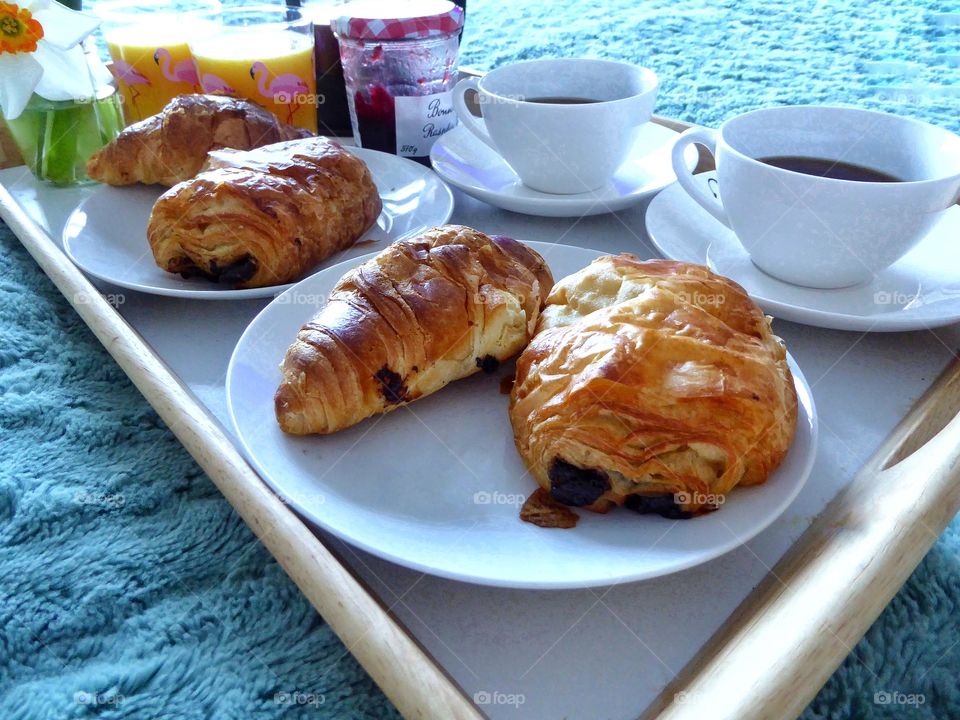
(265, 216)
(422, 313)
(657, 385)
(172, 145)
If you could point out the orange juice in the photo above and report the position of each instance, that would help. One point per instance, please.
(152, 66)
(273, 68)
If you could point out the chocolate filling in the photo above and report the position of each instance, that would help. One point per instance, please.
(236, 272)
(662, 505)
(489, 364)
(575, 486)
(185, 267)
(391, 385)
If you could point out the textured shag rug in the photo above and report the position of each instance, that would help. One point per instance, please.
(130, 589)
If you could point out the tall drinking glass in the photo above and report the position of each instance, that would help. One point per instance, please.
(265, 54)
(148, 42)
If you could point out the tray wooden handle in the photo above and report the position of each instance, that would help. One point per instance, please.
(399, 666)
(843, 568)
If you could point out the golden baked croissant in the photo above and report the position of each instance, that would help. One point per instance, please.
(657, 385)
(422, 313)
(172, 145)
(265, 216)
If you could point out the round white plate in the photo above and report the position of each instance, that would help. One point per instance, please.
(921, 290)
(106, 236)
(437, 486)
(466, 163)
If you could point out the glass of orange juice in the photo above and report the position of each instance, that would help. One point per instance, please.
(265, 54)
(148, 42)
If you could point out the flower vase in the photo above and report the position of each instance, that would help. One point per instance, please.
(56, 138)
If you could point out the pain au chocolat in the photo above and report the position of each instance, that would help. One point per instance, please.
(654, 385)
(265, 216)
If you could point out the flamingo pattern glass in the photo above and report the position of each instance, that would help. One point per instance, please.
(264, 54)
(148, 42)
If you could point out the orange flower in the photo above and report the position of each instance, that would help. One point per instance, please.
(19, 32)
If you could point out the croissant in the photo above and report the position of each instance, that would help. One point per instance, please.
(422, 313)
(172, 145)
(265, 216)
(656, 385)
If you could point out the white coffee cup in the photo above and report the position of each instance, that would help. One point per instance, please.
(558, 147)
(823, 232)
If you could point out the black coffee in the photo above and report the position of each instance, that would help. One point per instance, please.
(561, 100)
(834, 169)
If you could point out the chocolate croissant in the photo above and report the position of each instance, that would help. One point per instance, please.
(172, 145)
(265, 216)
(422, 313)
(656, 385)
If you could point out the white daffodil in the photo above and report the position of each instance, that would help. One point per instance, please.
(40, 53)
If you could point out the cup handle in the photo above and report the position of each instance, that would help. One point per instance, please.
(706, 199)
(470, 121)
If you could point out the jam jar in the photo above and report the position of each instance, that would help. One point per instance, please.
(400, 65)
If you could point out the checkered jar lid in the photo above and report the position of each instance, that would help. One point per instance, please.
(386, 20)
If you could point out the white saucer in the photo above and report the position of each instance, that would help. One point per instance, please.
(106, 235)
(921, 290)
(466, 163)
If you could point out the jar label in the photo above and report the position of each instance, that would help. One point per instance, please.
(421, 120)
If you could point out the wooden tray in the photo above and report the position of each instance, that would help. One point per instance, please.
(768, 658)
